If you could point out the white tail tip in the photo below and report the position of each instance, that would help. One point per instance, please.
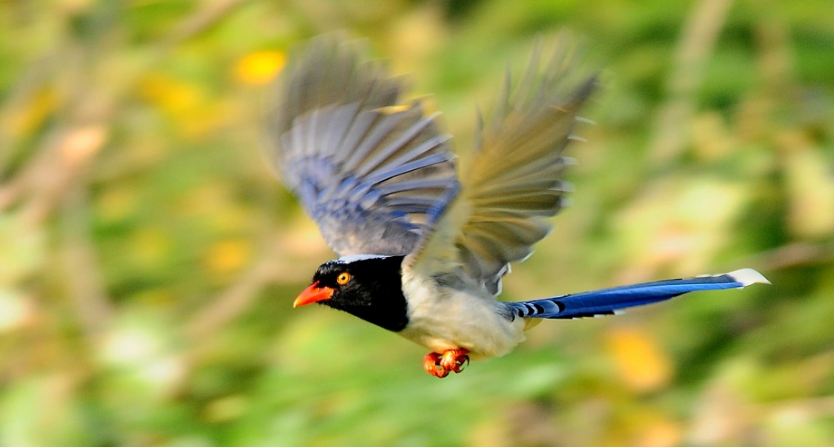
(748, 276)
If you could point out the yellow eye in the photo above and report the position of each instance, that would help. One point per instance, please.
(343, 278)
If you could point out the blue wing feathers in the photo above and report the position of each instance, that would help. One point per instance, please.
(358, 161)
(394, 188)
(416, 152)
(362, 165)
(411, 166)
(395, 146)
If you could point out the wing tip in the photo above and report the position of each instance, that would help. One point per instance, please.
(748, 276)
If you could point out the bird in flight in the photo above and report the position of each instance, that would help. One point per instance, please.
(422, 250)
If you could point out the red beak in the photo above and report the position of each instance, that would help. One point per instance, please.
(313, 294)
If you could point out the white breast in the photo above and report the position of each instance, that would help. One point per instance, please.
(442, 318)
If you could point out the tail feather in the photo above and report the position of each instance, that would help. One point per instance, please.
(614, 300)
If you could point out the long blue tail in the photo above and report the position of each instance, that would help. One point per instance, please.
(612, 301)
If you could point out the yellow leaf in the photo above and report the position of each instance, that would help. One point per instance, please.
(226, 408)
(642, 365)
(259, 68)
(227, 256)
(188, 105)
(171, 95)
(33, 114)
(150, 246)
(116, 204)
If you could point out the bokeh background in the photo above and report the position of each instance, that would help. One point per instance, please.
(148, 260)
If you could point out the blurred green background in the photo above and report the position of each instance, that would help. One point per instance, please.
(148, 260)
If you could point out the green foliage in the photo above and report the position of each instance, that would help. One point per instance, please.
(148, 259)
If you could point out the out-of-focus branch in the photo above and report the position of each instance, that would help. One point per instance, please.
(41, 170)
(286, 258)
(792, 255)
(236, 298)
(9, 193)
(821, 407)
(776, 61)
(86, 288)
(696, 44)
(64, 155)
(21, 93)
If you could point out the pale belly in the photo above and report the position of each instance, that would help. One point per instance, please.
(453, 320)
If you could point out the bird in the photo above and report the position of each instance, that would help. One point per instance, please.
(422, 249)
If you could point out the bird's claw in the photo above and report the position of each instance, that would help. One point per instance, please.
(431, 363)
(440, 365)
(454, 360)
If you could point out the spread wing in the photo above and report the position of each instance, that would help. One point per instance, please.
(366, 169)
(515, 180)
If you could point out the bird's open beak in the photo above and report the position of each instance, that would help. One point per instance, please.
(313, 294)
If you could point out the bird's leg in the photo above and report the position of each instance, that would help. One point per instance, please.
(440, 365)
(431, 363)
(454, 360)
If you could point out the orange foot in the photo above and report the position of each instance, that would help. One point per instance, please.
(439, 365)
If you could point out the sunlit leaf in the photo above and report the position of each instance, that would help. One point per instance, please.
(226, 408)
(640, 361)
(116, 204)
(810, 181)
(149, 246)
(40, 410)
(22, 248)
(682, 223)
(661, 433)
(15, 309)
(259, 68)
(170, 94)
(82, 143)
(227, 256)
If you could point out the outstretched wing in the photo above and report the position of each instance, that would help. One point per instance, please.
(366, 169)
(515, 180)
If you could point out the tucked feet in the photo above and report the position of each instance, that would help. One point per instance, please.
(440, 365)
(431, 363)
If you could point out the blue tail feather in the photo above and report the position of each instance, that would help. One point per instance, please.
(612, 301)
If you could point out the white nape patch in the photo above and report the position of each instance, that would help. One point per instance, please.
(748, 276)
(353, 258)
(619, 312)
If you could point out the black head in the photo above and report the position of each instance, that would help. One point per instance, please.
(369, 287)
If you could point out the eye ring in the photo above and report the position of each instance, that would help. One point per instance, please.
(343, 278)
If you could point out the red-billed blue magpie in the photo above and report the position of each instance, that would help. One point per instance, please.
(422, 252)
